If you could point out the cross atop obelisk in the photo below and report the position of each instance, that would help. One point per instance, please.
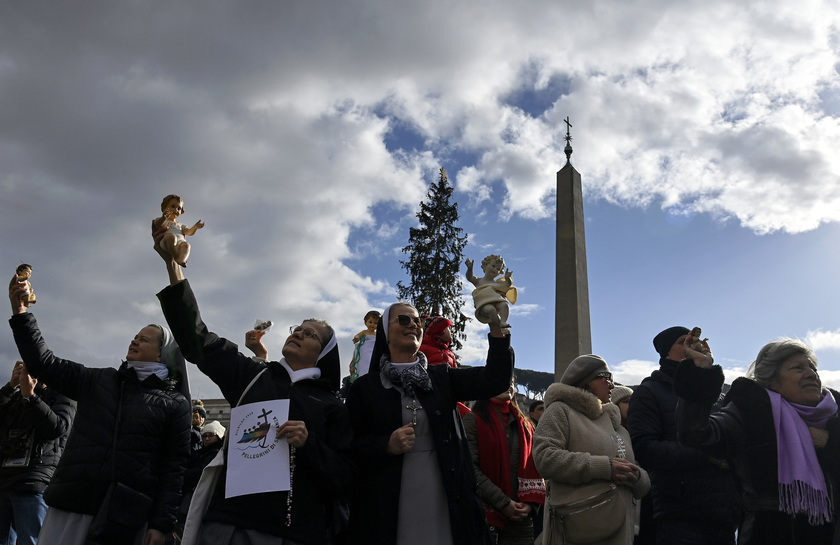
(568, 137)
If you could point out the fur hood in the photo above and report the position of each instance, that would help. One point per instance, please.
(582, 401)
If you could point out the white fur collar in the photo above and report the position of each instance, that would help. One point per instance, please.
(582, 401)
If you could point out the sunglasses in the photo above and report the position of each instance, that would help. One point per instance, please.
(405, 320)
(607, 376)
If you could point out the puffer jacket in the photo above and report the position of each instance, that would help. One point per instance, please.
(153, 438)
(48, 415)
(437, 352)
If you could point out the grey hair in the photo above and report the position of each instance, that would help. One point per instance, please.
(765, 369)
(327, 326)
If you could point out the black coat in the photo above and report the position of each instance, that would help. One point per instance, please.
(685, 483)
(375, 413)
(744, 431)
(323, 469)
(153, 439)
(48, 416)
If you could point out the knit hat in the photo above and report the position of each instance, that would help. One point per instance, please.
(619, 393)
(214, 427)
(435, 326)
(583, 369)
(666, 339)
(200, 410)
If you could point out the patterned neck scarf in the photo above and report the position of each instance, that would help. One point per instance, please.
(411, 377)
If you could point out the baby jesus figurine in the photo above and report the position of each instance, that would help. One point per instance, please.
(22, 274)
(371, 321)
(492, 296)
(363, 346)
(174, 242)
(696, 342)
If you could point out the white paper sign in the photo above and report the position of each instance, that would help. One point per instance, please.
(257, 460)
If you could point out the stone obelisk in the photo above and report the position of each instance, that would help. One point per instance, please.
(572, 334)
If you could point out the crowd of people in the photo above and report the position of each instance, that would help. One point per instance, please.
(123, 456)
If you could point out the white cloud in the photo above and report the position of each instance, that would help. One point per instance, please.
(823, 340)
(276, 123)
(632, 372)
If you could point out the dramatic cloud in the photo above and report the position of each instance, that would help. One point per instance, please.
(306, 133)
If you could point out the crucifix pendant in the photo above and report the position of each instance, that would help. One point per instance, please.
(414, 407)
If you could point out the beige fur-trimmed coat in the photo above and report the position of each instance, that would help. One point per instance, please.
(573, 444)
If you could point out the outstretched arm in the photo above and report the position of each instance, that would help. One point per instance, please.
(189, 231)
(470, 276)
(491, 379)
(508, 277)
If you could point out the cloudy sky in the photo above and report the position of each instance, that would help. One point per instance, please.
(306, 133)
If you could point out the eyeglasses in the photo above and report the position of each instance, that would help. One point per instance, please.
(206, 435)
(308, 333)
(405, 320)
(607, 376)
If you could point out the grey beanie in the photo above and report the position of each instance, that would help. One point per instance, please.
(583, 369)
(619, 393)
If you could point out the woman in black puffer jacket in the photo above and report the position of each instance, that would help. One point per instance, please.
(152, 439)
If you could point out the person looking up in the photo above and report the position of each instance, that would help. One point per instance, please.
(142, 407)
(779, 428)
(693, 498)
(317, 432)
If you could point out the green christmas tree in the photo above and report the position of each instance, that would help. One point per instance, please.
(435, 251)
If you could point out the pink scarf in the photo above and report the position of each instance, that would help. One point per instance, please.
(802, 487)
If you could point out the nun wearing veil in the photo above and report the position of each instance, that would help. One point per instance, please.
(416, 483)
(318, 430)
(132, 425)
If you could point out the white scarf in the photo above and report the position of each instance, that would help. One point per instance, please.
(301, 374)
(145, 369)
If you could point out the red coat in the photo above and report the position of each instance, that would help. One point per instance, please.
(437, 352)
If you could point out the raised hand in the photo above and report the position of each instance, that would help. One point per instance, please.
(700, 358)
(253, 342)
